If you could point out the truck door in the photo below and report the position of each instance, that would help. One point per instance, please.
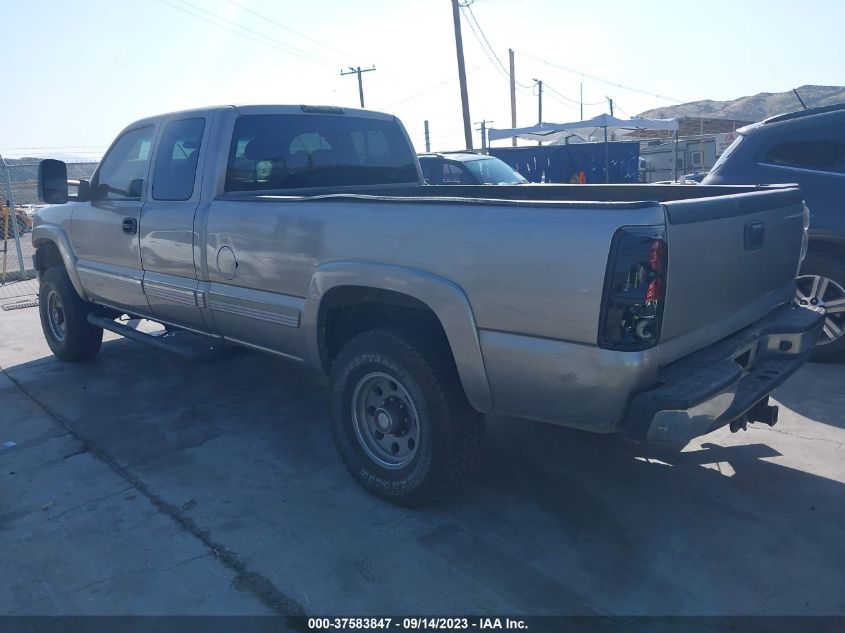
(167, 236)
(104, 231)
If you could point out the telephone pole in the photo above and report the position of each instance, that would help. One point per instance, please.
(357, 70)
(610, 101)
(483, 129)
(427, 136)
(513, 95)
(581, 99)
(539, 101)
(539, 104)
(462, 74)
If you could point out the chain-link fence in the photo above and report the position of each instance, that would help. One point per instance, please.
(20, 202)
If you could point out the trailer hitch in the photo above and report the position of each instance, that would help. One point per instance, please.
(760, 412)
(764, 412)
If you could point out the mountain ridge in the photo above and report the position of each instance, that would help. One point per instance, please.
(752, 107)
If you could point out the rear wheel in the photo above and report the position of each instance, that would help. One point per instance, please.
(400, 420)
(64, 318)
(821, 287)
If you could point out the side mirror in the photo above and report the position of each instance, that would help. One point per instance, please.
(136, 186)
(52, 181)
(83, 190)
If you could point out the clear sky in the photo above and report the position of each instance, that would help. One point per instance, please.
(75, 73)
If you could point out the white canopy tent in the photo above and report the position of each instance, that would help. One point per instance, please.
(557, 132)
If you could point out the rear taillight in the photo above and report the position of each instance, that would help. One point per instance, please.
(634, 289)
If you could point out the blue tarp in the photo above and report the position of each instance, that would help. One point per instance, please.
(566, 163)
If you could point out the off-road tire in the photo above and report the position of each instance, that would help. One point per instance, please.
(831, 265)
(81, 340)
(450, 430)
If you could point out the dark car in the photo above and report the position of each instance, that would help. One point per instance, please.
(467, 169)
(805, 147)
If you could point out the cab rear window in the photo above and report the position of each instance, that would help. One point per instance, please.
(298, 151)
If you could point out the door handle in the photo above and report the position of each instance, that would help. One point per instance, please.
(130, 226)
(755, 234)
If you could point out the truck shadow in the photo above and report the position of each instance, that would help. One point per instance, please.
(721, 527)
(556, 521)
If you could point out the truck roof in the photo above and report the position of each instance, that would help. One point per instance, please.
(274, 109)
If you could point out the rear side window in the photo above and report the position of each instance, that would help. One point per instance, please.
(819, 149)
(453, 174)
(429, 168)
(176, 159)
(122, 172)
(292, 151)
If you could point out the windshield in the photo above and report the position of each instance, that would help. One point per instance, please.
(492, 171)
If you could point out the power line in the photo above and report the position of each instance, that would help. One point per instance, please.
(295, 32)
(601, 79)
(245, 32)
(575, 101)
(491, 58)
(488, 49)
(484, 37)
(293, 49)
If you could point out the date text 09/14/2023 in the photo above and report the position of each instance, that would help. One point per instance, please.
(415, 623)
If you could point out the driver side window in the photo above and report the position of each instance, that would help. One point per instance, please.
(122, 172)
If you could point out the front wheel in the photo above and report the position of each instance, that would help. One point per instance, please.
(821, 287)
(64, 318)
(400, 420)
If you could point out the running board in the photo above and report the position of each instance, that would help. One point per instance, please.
(186, 344)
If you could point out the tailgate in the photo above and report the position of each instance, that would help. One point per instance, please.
(731, 260)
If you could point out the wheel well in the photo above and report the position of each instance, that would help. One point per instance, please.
(47, 255)
(825, 246)
(347, 311)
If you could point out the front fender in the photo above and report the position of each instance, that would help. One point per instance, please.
(51, 233)
(446, 299)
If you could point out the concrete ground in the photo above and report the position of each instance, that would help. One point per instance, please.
(144, 483)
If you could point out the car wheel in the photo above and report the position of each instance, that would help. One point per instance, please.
(64, 318)
(821, 287)
(400, 420)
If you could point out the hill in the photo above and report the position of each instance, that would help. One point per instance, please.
(755, 107)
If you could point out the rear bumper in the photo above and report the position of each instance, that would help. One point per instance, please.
(721, 383)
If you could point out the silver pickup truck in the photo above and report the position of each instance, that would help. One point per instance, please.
(658, 312)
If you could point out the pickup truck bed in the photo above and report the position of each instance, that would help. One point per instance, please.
(575, 305)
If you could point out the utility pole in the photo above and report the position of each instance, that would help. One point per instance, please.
(513, 95)
(581, 99)
(357, 70)
(539, 104)
(462, 74)
(539, 101)
(427, 137)
(483, 129)
(610, 101)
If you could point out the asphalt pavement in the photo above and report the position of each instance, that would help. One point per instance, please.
(143, 483)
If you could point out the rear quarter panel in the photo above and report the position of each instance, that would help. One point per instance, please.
(533, 275)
